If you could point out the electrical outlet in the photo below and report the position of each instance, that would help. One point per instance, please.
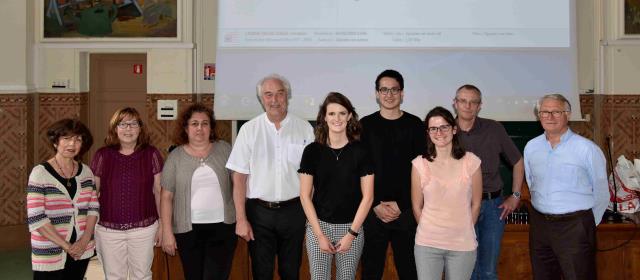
(61, 83)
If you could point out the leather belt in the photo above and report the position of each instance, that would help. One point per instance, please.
(275, 204)
(564, 216)
(492, 195)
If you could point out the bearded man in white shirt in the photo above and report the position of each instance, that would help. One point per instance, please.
(266, 188)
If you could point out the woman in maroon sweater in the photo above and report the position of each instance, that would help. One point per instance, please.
(127, 172)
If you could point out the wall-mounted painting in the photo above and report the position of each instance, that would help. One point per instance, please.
(632, 17)
(111, 19)
(628, 19)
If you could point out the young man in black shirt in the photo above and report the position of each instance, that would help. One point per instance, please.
(394, 138)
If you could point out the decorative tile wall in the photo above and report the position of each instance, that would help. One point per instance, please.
(52, 107)
(16, 113)
(617, 119)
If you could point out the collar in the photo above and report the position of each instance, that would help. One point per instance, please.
(283, 123)
(477, 124)
(563, 139)
(379, 112)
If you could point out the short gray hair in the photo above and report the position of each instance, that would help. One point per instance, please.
(471, 88)
(554, 96)
(282, 79)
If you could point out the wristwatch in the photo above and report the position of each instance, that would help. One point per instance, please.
(517, 195)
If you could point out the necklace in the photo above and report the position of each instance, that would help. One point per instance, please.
(337, 154)
(200, 154)
(68, 178)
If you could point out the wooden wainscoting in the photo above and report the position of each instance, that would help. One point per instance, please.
(619, 263)
(166, 267)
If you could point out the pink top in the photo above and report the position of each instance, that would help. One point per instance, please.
(446, 222)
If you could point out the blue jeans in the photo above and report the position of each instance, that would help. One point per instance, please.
(489, 230)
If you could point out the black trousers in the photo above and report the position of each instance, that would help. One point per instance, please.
(277, 232)
(563, 248)
(207, 251)
(377, 237)
(73, 270)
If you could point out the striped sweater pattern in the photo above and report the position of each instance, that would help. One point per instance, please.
(48, 202)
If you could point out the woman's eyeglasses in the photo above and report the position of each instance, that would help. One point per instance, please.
(132, 124)
(443, 128)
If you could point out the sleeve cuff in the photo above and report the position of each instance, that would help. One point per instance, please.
(238, 169)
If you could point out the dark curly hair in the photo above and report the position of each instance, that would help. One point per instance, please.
(70, 127)
(353, 126)
(457, 151)
(180, 136)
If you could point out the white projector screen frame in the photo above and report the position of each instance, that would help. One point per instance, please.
(512, 73)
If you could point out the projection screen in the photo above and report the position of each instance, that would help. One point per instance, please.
(514, 51)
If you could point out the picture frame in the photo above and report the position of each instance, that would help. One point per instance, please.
(110, 20)
(628, 14)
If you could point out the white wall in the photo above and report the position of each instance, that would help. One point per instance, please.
(14, 46)
(621, 56)
(586, 44)
(176, 67)
(169, 62)
(205, 37)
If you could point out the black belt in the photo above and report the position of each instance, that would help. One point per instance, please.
(562, 217)
(275, 204)
(492, 195)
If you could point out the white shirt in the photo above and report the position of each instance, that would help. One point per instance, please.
(206, 197)
(271, 157)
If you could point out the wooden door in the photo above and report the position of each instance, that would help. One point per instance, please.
(115, 84)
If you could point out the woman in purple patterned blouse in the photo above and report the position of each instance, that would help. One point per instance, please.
(127, 172)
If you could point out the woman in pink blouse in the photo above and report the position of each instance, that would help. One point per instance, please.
(446, 191)
(127, 173)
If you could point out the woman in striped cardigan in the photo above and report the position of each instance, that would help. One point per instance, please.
(62, 205)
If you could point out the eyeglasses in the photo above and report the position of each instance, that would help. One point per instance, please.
(465, 102)
(387, 91)
(195, 124)
(131, 124)
(443, 128)
(546, 114)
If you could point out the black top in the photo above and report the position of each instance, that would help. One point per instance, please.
(488, 140)
(336, 179)
(73, 186)
(393, 144)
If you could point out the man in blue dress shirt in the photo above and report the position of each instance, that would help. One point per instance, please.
(566, 174)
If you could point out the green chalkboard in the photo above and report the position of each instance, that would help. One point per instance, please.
(520, 133)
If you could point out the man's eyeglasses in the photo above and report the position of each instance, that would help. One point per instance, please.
(132, 124)
(546, 114)
(392, 91)
(443, 128)
(465, 102)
